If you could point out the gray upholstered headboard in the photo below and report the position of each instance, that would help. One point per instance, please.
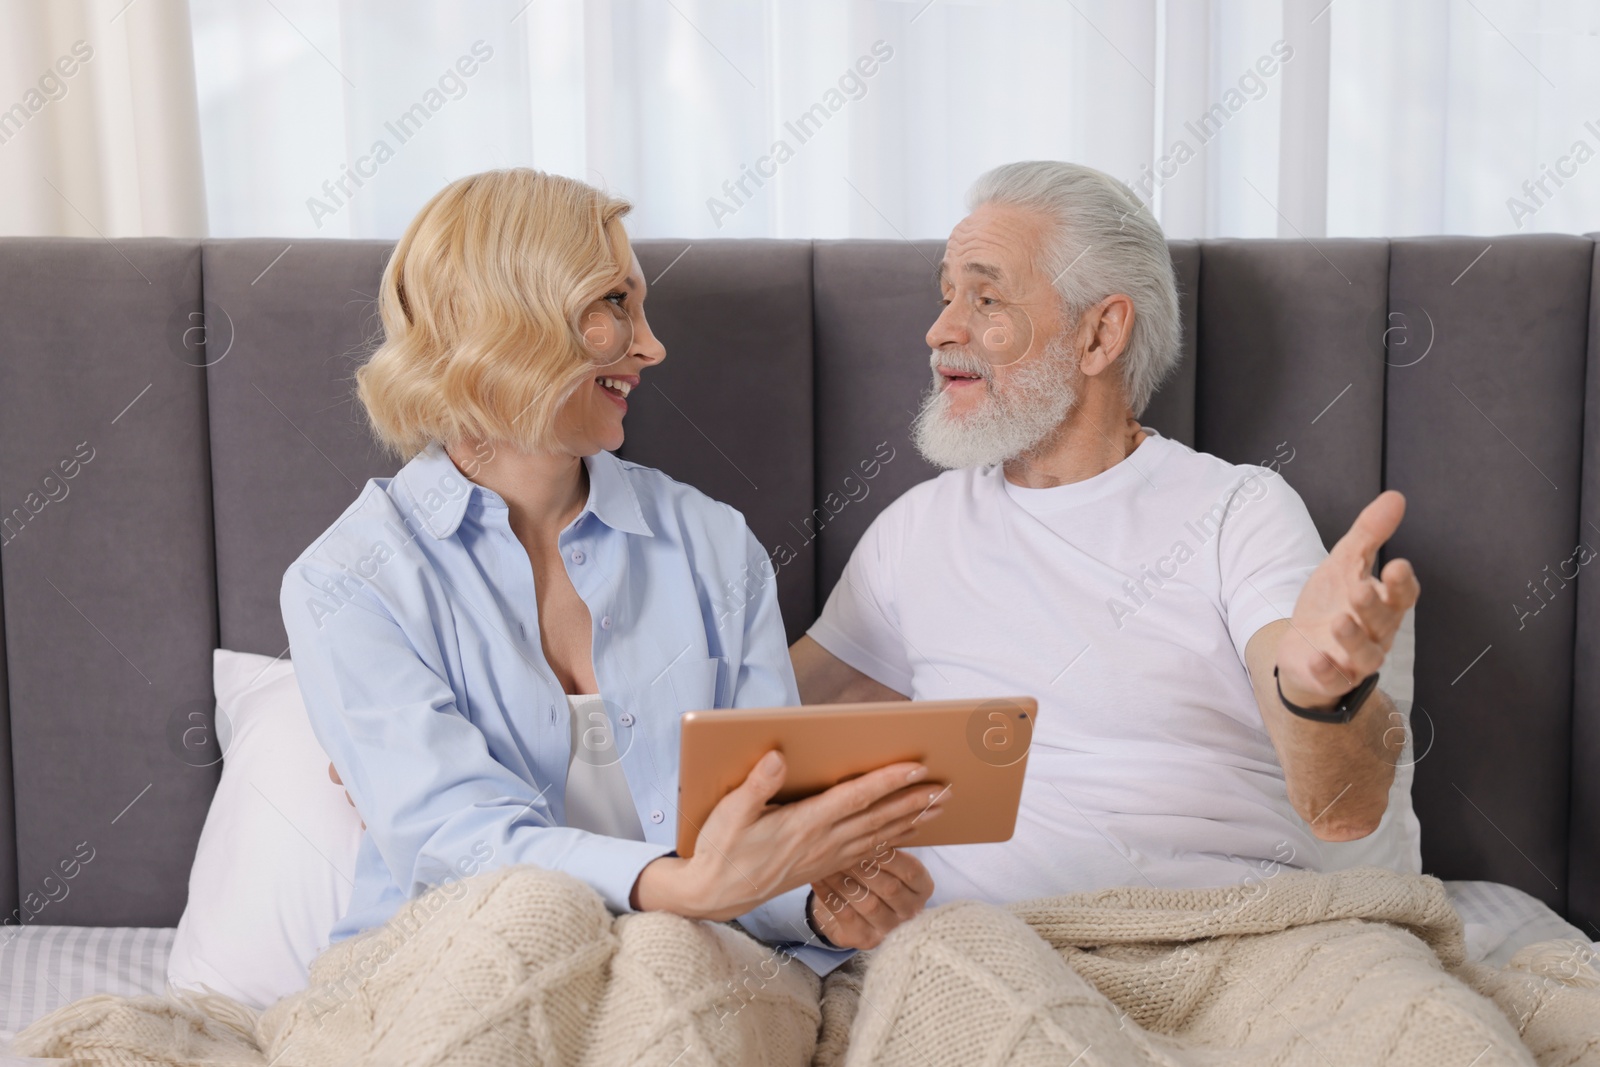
(198, 394)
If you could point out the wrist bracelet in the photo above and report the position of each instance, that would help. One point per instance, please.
(818, 934)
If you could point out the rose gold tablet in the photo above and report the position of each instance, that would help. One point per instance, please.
(977, 747)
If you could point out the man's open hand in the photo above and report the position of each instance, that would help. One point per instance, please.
(1345, 620)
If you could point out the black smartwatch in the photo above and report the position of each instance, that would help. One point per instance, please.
(1341, 712)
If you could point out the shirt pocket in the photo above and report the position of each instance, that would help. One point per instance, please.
(697, 684)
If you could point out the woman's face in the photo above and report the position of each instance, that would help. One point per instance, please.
(623, 346)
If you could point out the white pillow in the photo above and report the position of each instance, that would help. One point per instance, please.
(1397, 842)
(277, 857)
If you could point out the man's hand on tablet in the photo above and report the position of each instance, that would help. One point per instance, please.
(751, 850)
(857, 908)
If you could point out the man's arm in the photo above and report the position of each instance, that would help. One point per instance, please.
(824, 678)
(1344, 622)
(1338, 774)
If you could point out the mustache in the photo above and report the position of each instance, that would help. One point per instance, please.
(961, 360)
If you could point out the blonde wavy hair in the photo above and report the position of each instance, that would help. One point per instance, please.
(480, 303)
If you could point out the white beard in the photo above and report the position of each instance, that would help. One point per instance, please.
(1012, 421)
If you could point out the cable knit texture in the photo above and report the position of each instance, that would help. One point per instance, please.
(1350, 968)
(515, 967)
(523, 966)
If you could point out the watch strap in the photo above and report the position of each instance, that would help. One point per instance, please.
(1342, 712)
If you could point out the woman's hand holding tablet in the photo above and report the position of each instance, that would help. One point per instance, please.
(751, 850)
(977, 748)
(774, 798)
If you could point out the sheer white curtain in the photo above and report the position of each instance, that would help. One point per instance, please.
(850, 118)
(1441, 110)
(99, 134)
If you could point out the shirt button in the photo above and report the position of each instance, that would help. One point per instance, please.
(578, 556)
(626, 718)
(605, 622)
(657, 815)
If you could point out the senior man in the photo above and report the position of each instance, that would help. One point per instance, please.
(1176, 615)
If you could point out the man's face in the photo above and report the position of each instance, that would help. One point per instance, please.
(1004, 372)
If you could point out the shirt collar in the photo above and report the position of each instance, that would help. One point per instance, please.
(440, 493)
(612, 497)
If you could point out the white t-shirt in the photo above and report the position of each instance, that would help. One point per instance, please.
(1123, 603)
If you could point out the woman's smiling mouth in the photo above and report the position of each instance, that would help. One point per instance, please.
(617, 387)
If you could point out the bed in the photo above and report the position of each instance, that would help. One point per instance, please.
(44, 967)
(176, 424)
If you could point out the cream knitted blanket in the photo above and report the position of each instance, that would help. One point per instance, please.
(514, 967)
(522, 966)
(1358, 967)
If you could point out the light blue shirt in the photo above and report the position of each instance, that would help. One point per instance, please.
(415, 637)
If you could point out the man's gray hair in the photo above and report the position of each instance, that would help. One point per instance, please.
(1104, 241)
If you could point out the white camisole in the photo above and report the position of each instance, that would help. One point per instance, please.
(597, 797)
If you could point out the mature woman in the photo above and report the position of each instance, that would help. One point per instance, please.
(496, 644)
